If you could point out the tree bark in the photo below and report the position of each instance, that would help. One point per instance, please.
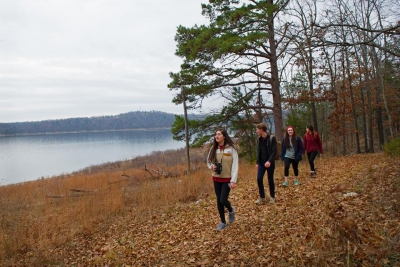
(186, 134)
(276, 94)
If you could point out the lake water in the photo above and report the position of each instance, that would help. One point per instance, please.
(26, 158)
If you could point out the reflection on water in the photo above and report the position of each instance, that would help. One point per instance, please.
(25, 158)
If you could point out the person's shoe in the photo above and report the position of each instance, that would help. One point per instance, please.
(296, 183)
(221, 226)
(232, 215)
(286, 184)
(260, 201)
(312, 174)
(272, 200)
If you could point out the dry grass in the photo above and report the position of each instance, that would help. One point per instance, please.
(38, 215)
(122, 215)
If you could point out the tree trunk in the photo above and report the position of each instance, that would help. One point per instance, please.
(364, 118)
(369, 102)
(276, 94)
(363, 109)
(378, 97)
(384, 91)
(343, 96)
(186, 134)
(370, 118)
(353, 106)
(311, 86)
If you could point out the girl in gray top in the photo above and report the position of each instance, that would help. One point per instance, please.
(292, 150)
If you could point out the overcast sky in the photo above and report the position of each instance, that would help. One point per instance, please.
(82, 58)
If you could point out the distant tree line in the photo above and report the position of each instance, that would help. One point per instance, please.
(130, 120)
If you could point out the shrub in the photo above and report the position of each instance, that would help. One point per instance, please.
(392, 148)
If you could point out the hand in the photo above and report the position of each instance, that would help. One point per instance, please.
(256, 166)
(267, 164)
(214, 167)
(233, 185)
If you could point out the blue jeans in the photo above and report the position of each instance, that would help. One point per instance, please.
(260, 179)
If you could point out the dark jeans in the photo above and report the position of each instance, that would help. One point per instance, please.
(260, 179)
(295, 165)
(222, 192)
(311, 157)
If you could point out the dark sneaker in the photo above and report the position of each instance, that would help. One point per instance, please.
(221, 226)
(232, 215)
(312, 174)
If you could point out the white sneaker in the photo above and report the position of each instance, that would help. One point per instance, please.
(272, 200)
(260, 201)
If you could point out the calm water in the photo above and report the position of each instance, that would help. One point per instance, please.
(25, 158)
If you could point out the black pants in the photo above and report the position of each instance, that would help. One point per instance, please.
(311, 157)
(295, 165)
(260, 179)
(222, 192)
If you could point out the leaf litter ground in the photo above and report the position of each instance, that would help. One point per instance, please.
(347, 216)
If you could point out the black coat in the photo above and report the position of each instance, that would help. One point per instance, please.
(298, 150)
(271, 148)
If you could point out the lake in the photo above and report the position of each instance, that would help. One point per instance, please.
(30, 157)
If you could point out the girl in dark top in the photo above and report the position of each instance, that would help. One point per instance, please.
(312, 145)
(291, 153)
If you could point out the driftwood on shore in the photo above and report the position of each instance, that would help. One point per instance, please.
(116, 182)
(81, 190)
(55, 196)
(161, 173)
(76, 192)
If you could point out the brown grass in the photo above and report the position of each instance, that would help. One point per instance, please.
(119, 214)
(41, 214)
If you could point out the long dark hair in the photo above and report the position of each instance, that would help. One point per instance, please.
(312, 132)
(287, 136)
(227, 141)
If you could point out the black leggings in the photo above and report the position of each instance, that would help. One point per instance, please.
(295, 165)
(311, 156)
(222, 192)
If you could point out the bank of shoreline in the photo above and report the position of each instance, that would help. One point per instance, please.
(90, 167)
(102, 167)
(93, 131)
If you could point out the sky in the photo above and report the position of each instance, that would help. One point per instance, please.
(83, 58)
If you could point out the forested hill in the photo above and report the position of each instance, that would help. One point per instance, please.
(130, 120)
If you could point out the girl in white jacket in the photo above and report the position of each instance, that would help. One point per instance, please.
(223, 160)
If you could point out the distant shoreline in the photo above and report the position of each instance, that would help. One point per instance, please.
(93, 131)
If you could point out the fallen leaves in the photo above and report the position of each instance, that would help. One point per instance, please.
(309, 225)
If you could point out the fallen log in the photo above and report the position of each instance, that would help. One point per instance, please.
(55, 196)
(81, 190)
(125, 180)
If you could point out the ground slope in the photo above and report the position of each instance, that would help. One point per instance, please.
(314, 224)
